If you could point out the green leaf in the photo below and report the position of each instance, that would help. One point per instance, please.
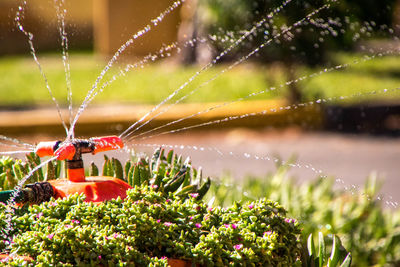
(158, 179)
(105, 166)
(130, 175)
(127, 168)
(170, 156)
(118, 170)
(321, 251)
(204, 188)
(199, 175)
(335, 255)
(93, 170)
(156, 156)
(347, 261)
(57, 169)
(51, 171)
(17, 170)
(144, 174)
(12, 182)
(310, 245)
(173, 185)
(186, 190)
(136, 176)
(188, 179)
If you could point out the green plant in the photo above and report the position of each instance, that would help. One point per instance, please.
(317, 256)
(371, 232)
(148, 226)
(166, 172)
(13, 170)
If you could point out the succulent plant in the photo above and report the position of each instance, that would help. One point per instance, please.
(165, 172)
(149, 226)
(317, 256)
(13, 170)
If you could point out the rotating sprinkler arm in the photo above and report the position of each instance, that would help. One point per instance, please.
(67, 150)
(72, 152)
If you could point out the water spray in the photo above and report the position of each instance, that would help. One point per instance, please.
(96, 189)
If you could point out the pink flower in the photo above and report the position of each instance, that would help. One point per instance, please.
(167, 224)
(238, 246)
(251, 206)
(290, 220)
(210, 209)
(116, 235)
(154, 186)
(198, 225)
(190, 217)
(158, 220)
(75, 221)
(164, 258)
(68, 226)
(268, 233)
(99, 257)
(50, 236)
(194, 195)
(168, 200)
(53, 204)
(40, 214)
(234, 226)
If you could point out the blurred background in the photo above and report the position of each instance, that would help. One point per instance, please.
(344, 60)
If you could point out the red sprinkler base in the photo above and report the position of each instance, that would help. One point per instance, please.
(96, 189)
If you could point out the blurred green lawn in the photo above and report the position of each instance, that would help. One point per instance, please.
(22, 85)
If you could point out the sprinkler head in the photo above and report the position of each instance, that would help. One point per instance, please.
(67, 150)
(72, 151)
(96, 189)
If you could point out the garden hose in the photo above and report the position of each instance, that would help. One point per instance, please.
(32, 194)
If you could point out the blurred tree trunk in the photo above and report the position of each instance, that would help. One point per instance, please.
(187, 32)
(396, 18)
(294, 94)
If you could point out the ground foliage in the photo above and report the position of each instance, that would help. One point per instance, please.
(147, 226)
(368, 227)
(216, 230)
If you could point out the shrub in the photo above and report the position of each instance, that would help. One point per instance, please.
(147, 226)
(368, 230)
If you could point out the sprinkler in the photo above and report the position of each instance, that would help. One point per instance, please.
(96, 189)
